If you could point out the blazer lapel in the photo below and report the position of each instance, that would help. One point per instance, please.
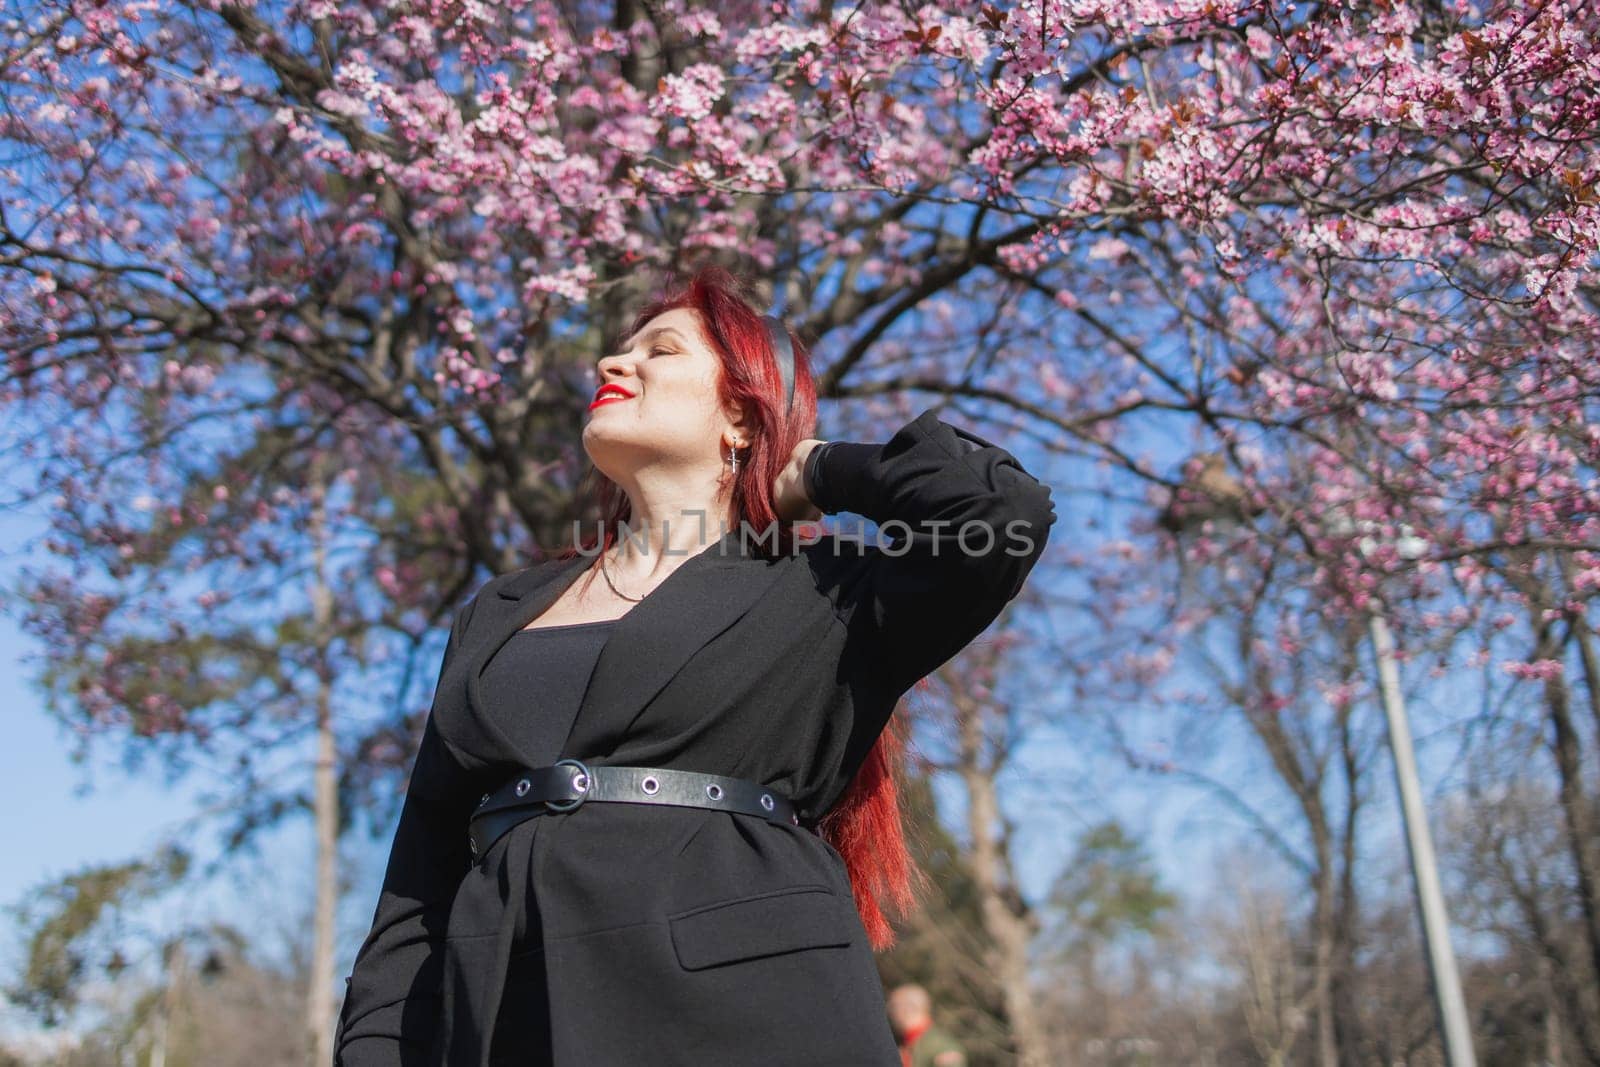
(707, 593)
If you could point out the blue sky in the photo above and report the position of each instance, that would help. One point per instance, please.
(57, 810)
(63, 816)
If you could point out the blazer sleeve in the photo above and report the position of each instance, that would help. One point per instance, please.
(960, 525)
(392, 1000)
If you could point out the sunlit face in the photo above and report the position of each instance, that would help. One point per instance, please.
(907, 1008)
(655, 403)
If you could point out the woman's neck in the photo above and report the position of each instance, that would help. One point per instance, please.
(651, 543)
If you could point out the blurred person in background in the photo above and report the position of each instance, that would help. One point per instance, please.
(921, 1041)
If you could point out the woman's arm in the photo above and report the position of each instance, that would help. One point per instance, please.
(961, 524)
(392, 1003)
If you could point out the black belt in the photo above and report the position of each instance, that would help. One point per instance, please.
(567, 784)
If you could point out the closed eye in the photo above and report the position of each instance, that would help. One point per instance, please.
(657, 350)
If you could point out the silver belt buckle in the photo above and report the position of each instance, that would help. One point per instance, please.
(580, 781)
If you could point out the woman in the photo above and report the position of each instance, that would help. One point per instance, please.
(670, 892)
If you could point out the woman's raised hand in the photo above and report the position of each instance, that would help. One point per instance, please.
(789, 492)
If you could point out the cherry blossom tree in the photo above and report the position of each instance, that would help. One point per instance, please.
(1340, 255)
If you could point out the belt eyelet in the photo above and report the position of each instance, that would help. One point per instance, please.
(714, 791)
(523, 785)
(767, 801)
(651, 785)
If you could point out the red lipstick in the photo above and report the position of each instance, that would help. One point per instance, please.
(607, 393)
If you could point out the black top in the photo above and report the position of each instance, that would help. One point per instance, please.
(534, 682)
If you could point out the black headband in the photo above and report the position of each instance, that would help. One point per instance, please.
(783, 352)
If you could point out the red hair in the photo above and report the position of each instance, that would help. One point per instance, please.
(864, 825)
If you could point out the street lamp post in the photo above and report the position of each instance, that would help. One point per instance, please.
(1445, 978)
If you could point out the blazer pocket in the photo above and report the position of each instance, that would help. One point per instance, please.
(765, 925)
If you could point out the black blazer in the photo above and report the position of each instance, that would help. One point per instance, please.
(682, 935)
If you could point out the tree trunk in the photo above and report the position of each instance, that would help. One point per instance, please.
(1008, 930)
(1586, 650)
(1304, 776)
(1346, 920)
(1327, 1038)
(1566, 745)
(176, 959)
(325, 803)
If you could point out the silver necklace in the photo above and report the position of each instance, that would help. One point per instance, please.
(607, 576)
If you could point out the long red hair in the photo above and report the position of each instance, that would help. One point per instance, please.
(864, 825)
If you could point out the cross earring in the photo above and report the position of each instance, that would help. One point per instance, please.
(733, 458)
